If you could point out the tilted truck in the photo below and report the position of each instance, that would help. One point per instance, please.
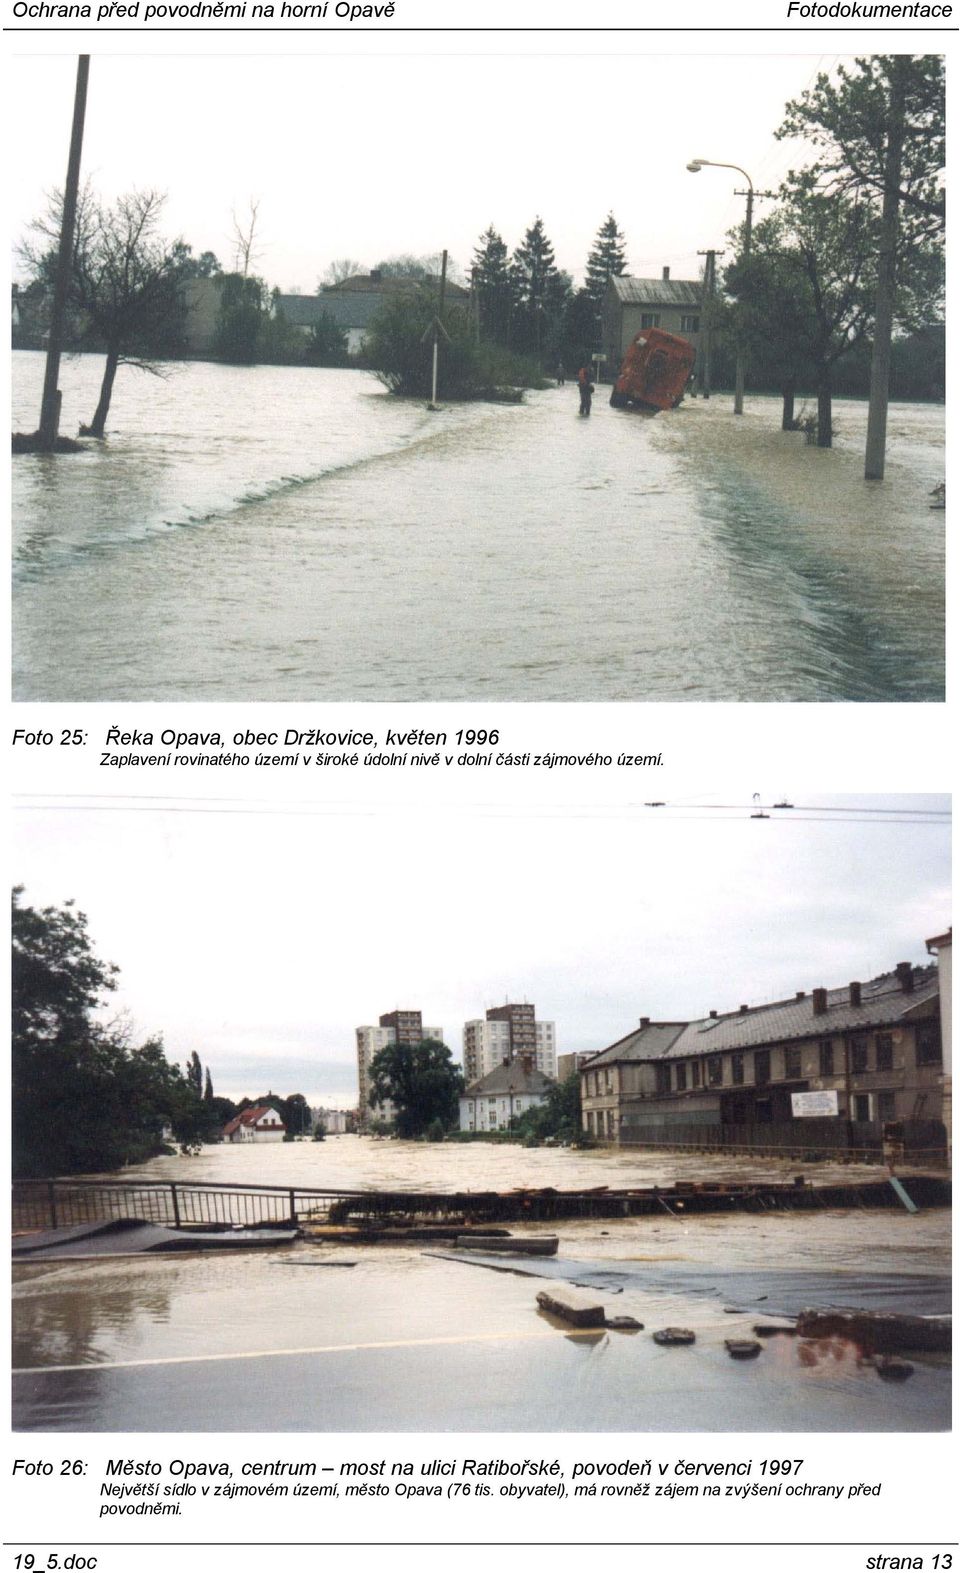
(655, 372)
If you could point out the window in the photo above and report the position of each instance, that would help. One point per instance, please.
(761, 1067)
(928, 1045)
(861, 1108)
(736, 1069)
(662, 1073)
(689, 324)
(681, 1078)
(650, 319)
(826, 1056)
(858, 1054)
(715, 1070)
(695, 1073)
(792, 1064)
(885, 1057)
(886, 1106)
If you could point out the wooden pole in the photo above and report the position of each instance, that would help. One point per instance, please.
(436, 330)
(886, 282)
(50, 404)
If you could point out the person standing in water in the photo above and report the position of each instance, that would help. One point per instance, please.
(586, 389)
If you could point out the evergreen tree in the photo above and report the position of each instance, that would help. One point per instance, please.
(535, 277)
(194, 1073)
(493, 284)
(208, 1087)
(607, 260)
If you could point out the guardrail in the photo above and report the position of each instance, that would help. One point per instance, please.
(51, 1204)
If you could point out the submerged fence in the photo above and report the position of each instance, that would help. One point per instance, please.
(924, 1141)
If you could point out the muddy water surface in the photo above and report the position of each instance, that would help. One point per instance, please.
(284, 534)
(403, 1339)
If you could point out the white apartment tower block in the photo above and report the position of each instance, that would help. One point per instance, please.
(508, 1032)
(396, 1026)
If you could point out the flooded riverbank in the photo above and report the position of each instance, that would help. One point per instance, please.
(235, 536)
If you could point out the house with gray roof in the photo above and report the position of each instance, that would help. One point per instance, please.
(490, 1103)
(631, 304)
(827, 1067)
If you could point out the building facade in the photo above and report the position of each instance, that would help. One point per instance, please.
(492, 1101)
(868, 1053)
(395, 1026)
(508, 1032)
(259, 1124)
(630, 305)
(610, 1079)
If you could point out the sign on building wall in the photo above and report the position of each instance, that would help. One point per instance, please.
(806, 1104)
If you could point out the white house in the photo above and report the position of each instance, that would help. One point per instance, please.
(259, 1124)
(492, 1102)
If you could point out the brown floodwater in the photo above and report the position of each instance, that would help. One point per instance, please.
(405, 1339)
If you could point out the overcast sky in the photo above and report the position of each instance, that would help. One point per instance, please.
(377, 155)
(263, 939)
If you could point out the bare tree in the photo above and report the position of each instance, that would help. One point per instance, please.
(245, 252)
(124, 284)
(341, 269)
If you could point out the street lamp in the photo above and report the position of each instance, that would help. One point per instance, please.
(695, 165)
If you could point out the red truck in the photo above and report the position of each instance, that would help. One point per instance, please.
(655, 371)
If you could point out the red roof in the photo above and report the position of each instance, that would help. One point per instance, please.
(251, 1117)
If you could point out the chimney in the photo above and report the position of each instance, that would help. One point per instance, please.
(905, 976)
(854, 994)
(526, 1060)
(801, 994)
(376, 277)
(644, 1021)
(666, 274)
(819, 1002)
(713, 1015)
(744, 1009)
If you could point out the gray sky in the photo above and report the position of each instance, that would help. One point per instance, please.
(367, 156)
(262, 939)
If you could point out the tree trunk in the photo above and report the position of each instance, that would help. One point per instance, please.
(824, 412)
(787, 419)
(96, 427)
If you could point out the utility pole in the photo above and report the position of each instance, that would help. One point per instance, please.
(438, 328)
(747, 239)
(706, 312)
(886, 279)
(50, 403)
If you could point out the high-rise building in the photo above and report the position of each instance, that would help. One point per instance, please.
(395, 1026)
(508, 1032)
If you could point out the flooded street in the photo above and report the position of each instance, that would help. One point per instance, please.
(403, 1339)
(292, 534)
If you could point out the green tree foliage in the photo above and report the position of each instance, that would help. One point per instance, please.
(541, 292)
(493, 284)
(580, 334)
(326, 343)
(607, 259)
(805, 296)
(240, 318)
(194, 1074)
(558, 1116)
(206, 266)
(422, 1083)
(398, 348)
(848, 119)
(208, 1087)
(84, 1097)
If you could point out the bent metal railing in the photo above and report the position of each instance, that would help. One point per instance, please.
(51, 1204)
